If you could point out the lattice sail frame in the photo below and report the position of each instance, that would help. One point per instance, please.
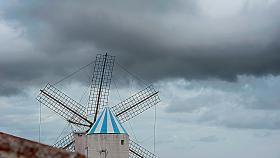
(63, 105)
(100, 87)
(137, 151)
(67, 142)
(136, 104)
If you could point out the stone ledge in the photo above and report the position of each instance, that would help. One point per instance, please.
(16, 147)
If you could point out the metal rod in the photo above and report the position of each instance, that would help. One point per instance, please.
(66, 107)
(99, 92)
(136, 153)
(76, 123)
(68, 145)
(138, 103)
(40, 122)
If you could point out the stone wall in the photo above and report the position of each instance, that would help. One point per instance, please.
(15, 147)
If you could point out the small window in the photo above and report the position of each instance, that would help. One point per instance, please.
(122, 142)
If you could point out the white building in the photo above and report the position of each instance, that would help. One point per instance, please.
(107, 138)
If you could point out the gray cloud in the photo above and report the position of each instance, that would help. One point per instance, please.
(249, 103)
(179, 132)
(226, 69)
(156, 39)
(209, 139)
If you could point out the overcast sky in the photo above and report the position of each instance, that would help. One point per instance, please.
(215, 62)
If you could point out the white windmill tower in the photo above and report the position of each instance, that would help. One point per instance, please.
(100, 127)
(106, 138)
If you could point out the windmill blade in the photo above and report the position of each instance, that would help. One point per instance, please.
(63, 105)
(137, 151)
(136, 104)
(100, 86)
(66, 143)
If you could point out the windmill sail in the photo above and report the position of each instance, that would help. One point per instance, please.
(63, 105)
(136, 104)
(137, 151)
(80, 115)
(66, 142)
(100, 86)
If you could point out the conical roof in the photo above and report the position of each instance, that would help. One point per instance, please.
(107, 123)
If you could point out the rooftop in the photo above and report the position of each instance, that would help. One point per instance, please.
(16, 147)
(107, 123)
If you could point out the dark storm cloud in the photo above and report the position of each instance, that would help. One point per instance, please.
(156, 40)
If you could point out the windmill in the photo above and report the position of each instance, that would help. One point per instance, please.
(85, 117)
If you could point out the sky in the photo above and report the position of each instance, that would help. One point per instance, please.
(216, 64)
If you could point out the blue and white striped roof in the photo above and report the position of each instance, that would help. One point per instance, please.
(107, 123)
